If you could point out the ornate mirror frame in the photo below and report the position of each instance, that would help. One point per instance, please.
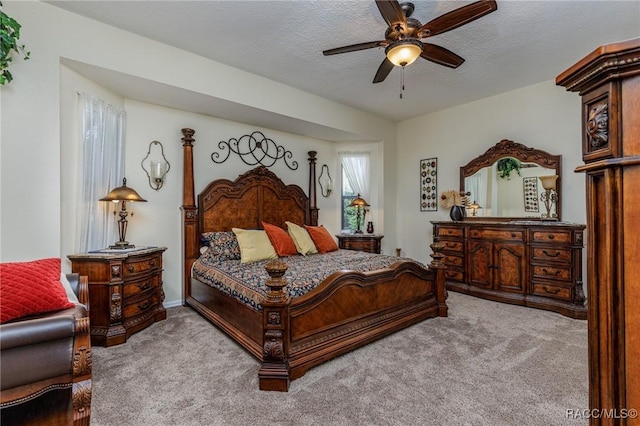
(508, 148)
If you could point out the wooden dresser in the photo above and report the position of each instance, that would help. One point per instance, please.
(369, 243)
(125, 290)
(530, 263)
(608, 81)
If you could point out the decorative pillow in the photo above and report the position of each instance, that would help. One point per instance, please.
(30, 288)
(223, 245)
(280, 240)
(254, 245)
(322, 238)
(302, 240)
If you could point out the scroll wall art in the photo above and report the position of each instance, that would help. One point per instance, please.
(254, 149)
(428, 185)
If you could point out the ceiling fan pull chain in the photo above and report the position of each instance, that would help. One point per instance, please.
(402, 83)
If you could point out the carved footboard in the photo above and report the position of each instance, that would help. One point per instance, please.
(352, 310)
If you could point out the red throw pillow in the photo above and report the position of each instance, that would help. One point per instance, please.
(321, 238)
(280, 240)
(30, 288)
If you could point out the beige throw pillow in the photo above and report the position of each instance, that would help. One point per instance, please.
(254, 245)
(302, 240)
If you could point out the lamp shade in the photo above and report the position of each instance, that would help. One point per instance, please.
(548, 182)
(403, 52)
(358, 201)
(123, 193)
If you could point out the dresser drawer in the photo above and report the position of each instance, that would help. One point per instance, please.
(456, 246)
(555, 236)
(141, 306)
(557, 273)
(137, 287)
(454, 275)
(551, 253)
(450, 232)
(497, 234)
(550, 290)
(453, 261)
(142, 265)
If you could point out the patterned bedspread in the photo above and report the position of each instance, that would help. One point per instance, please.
(245, 282)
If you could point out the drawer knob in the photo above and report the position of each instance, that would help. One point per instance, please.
(551, 290)
(131, 268)
(144, 305)
(551, 236)
(548, 254)
(144, 286)
(513, 235)
(152, 263)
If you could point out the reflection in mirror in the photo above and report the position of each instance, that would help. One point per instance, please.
(515, 196)
(505, 182)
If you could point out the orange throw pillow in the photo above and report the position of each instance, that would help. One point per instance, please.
(321, 238)
(30, 288)
(280, 240)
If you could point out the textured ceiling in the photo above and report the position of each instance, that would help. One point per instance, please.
(522, 43)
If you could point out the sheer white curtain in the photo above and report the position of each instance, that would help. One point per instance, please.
(356, 168)
(477, 185)
(101, 170)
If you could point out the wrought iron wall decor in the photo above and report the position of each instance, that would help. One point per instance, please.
(530, 185)
(428, 185)
(254, 149)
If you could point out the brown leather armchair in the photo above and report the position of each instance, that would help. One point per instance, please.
(46, 365)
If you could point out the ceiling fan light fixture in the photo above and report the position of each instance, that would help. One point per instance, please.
(403, 52)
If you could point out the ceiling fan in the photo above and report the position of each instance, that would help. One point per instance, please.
(402, 38)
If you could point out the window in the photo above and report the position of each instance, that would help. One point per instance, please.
(355, 180)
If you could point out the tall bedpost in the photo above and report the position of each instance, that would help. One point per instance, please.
(190, 225)
(274, 373)
(438, 265)
(313, 208)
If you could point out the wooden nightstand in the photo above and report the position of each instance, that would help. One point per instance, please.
(125, 291)
(369, 243)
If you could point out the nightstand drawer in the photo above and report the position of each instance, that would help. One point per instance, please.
(139, 266)
(369, 243)
(141, 305)
(136, 287)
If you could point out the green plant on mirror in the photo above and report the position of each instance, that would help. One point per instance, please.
(507, 165)
(9, 36)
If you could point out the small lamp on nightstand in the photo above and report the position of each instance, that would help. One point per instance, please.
(121, 195)
(358, 202)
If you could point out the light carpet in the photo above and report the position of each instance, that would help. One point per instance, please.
(488, 363)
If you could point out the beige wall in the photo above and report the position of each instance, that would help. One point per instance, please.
(543, 116)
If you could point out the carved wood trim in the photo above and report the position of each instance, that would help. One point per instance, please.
(509, 148)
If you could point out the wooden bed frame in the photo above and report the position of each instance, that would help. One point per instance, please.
(348, 310)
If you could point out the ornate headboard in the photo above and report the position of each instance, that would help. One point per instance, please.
(255, 196)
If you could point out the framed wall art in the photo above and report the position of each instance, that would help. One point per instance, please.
(530, 187)
(429, 185)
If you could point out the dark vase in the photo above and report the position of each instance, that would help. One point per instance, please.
(370, 227)
(457, 213)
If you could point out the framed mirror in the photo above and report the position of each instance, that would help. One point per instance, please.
(512, 181)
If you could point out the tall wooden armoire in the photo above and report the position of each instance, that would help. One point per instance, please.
(608, 80)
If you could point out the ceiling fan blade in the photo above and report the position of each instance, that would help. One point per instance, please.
(440, 55)
(457, 18)
(383, 71)
(392, 13)
(354, 47)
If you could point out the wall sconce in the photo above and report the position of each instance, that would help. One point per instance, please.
(121, 195)
(549, 197)
(358, 202)
(325, 181)
(156, 169)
